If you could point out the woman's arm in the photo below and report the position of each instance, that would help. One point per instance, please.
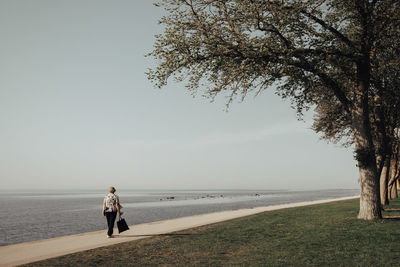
(118, 206)
(104, 209)
(118, 209)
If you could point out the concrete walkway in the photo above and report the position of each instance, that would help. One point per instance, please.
(48, 248)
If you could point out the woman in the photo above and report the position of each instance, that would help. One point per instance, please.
(110, 208)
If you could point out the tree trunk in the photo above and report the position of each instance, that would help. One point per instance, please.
(393, 191)
(384, 182)
(393, 178)
(370, 206)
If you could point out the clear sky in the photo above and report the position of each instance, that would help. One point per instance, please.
(77, 111)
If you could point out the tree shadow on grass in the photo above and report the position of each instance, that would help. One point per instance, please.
(149, 235)
(391, 217)
(391, 210)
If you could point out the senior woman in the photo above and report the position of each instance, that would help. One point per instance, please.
(110, 208)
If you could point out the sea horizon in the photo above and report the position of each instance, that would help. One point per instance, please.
(105, 189)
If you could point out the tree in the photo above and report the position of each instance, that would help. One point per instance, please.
(335, 126)
(310, 50)
(332, 121)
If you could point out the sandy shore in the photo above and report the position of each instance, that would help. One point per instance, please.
(48, 248)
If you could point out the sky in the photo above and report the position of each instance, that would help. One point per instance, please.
(77, 112)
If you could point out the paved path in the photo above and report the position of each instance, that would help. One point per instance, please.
(48, 248)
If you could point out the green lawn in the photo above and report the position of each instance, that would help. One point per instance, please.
(319, 235)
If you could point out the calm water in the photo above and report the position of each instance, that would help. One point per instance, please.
(28, 216)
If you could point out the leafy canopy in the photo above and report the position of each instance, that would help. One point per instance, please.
(309, 49)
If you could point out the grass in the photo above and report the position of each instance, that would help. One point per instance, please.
(319, 235)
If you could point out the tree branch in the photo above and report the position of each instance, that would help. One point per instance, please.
(331, 29)
(328, 81)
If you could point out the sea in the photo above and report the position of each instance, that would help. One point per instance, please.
(28, 216)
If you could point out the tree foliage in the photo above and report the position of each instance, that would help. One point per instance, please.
(339, 56)
(239, 46)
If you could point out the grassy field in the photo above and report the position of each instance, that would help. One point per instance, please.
(319, 235)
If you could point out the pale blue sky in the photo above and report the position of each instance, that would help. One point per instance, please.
(76, 111)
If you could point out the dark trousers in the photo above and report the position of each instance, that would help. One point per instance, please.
(110, 221)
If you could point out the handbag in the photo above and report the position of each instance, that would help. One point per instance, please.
(122, 226)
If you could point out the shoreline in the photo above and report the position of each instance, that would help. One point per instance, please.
(32, 251)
